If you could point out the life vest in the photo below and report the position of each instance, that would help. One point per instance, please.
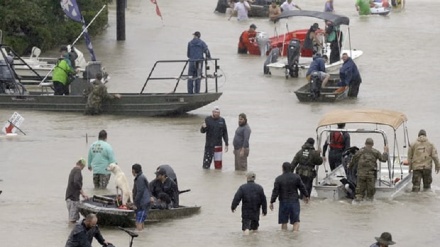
(337, 140)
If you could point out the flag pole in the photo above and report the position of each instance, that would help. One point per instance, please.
(76, 40)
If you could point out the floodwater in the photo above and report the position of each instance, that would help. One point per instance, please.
(399, 73)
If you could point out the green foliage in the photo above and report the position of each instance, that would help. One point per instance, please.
(42, 23)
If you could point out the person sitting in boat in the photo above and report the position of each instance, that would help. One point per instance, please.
(274, 11)
(318, 66)
(312, 40)
(247, 39)
(170, 173)
(97, 96)
(164, 191)
(60, 75)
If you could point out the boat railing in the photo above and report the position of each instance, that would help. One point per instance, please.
(205, 75)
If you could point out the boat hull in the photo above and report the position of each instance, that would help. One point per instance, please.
(160, 104)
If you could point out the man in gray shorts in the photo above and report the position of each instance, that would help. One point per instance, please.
(74, 189)
(318, 66)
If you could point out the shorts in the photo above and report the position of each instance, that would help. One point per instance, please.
(72, 208)
(248, 224)
(288, 211)
(321, 75)
(141, 216)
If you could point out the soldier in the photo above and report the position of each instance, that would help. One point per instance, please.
(420, 157)
(366, 161)
(305, 161)
(97, 96)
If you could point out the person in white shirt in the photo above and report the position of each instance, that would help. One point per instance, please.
(289, 5)
(241, 9)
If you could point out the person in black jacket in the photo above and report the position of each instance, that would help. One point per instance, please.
(216, 130)
(164, 191)
(304, 162)
(252, 197)
(74, 190)
(286, 188)
(83, 233)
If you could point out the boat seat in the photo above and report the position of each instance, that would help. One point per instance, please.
(35, 52)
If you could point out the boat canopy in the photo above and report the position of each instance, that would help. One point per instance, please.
(336, 19)
(393, 119)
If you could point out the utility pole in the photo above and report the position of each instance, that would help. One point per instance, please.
(120, 19)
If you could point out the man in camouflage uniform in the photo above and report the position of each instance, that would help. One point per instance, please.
(305, 161)
(97, 97)
(366, 161)
(421, 154)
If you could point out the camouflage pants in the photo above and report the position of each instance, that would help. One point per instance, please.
(101, 180)
(365, 183)
(418, 175)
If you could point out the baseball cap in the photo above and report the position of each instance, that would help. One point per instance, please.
(82, 162)
(216, 108)
(161, 171)
(250, 176)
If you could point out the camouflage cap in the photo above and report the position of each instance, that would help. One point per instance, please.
(369, 141)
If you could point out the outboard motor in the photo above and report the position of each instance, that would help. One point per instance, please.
(293, 53)
(272, 58)
(263, 43)
(315, 85)
(350, 171)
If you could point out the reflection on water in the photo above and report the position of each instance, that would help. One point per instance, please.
(396, 74)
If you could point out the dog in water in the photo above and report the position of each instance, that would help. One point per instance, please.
(121, 183)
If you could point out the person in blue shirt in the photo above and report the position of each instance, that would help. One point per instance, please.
(195, 51)
(318, 66)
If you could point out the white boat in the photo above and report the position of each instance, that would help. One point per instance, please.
(281, 66)
(393, 177)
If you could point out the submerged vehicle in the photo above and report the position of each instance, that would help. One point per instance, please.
(393, 176)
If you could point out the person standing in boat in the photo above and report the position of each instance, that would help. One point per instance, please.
(338, 142)
(74, 190)
(312, 40)
(350, 76)
(253, 199)
(241, 143)
(304, 162)
(421, 154)
(141, 196)
(366, 162)
(195, 51)
(289, 5)
(334, 37)
(60, 75)
(215, 128)
(247, 38)
(100, 156)
(286, 188)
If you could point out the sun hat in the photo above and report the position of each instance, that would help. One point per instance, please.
(385, 238)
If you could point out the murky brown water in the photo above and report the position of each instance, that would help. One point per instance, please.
(399, 72)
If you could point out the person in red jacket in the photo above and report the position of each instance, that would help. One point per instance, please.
(246, 39)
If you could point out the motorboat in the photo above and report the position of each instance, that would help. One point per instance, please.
(105, 207)
(386, 127)
(331, 93)
(15, 95)
(302, 62)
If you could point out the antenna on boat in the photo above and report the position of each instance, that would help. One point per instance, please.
(1, 37)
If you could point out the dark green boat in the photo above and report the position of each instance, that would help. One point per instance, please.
(15, 95)
(109, 215)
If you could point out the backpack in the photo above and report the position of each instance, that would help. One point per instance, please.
(337, 140)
